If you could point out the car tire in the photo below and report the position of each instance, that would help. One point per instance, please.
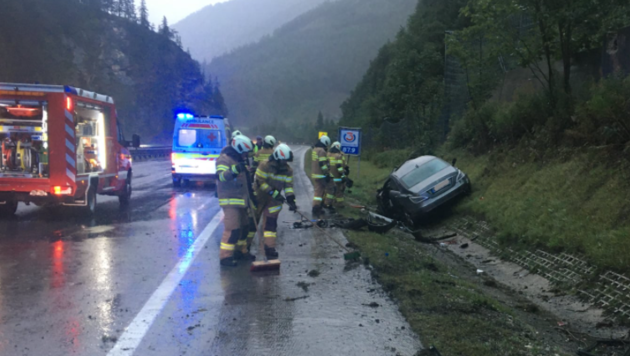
(9, 208)
(125, 197)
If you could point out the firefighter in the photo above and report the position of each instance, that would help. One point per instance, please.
(265, 152)
(259, 144)
(320, 172)
(234, 199)
(335, 189)
(272, 177)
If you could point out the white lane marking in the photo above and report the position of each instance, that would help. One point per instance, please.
(140, 325)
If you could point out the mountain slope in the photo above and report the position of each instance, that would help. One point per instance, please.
(309, 64)
(218, 29)
(68, 43)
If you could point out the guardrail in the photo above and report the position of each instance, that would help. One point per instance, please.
(149, 153)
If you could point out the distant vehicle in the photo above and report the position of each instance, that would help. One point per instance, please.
(420, 186)
(60, 146)
(197, 144)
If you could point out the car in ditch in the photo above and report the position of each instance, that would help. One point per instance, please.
(419, 187)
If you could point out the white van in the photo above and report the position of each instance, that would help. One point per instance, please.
(197, 144)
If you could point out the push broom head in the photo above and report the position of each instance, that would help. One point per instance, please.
(260, 266)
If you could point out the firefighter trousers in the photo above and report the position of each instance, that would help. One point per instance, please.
(319, 188)
(270, 209)
(235, 232)
(340, 189)
(331, 189)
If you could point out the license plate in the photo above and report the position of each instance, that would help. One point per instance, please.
(441, 185)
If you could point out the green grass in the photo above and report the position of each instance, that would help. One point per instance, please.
(445, 310)
(577, 202)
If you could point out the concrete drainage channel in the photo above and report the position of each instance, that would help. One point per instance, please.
(605, 289)
(149, 153)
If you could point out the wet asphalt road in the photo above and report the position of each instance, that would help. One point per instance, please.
(72, 285)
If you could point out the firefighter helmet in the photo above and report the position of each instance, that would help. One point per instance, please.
(336, 145)
(236, 133)
(283, 153)
(242, 144)
(270, 140)
(325, 140)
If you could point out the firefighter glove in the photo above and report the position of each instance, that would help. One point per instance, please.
(347, 171)
(291, 202)
(349, 183)
(277, 196)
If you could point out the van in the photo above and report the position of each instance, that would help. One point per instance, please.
(197, 144)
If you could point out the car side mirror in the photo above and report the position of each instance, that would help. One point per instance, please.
(135, 141)
(454, 162)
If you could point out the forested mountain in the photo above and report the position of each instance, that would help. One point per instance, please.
(218, 29)
(104, 46)
(308, 65)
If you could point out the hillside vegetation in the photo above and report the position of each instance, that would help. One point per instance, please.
(67, 42)
(218, 29)
(550, 165)
(308, 65)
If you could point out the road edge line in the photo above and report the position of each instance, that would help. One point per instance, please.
(133, 335)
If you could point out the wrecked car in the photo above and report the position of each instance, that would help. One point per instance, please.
(419, 187)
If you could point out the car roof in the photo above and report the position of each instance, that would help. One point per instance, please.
(411, 165)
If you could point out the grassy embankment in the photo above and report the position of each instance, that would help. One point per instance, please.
(447, 311)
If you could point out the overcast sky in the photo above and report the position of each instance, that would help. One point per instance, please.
(175, 10)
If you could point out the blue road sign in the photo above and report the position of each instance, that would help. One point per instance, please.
(350, 140)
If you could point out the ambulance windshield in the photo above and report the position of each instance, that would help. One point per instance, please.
(199, 138)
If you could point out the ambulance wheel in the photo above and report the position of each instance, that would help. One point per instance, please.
(9, 208)
(177, 182)
(125, 195)
(90, 208)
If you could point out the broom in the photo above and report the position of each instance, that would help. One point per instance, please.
(265, 264)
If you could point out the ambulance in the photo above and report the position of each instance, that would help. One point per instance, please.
(197, 144)
(60, 146)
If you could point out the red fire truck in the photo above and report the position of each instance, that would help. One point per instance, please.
(60, 146)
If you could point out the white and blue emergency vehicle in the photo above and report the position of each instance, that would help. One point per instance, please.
(197, 144)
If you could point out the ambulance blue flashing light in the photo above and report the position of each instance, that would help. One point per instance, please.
(184, 116)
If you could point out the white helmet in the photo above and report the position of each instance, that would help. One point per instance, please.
(236, 133)
(242, 144)
(283, 153)
(325, 140)
(270, 140)
(336, 145)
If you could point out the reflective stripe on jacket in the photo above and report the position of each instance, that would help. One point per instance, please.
(231, 188)
(319, 163)
(271, 177)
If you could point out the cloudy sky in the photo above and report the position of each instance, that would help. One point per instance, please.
(175, 10)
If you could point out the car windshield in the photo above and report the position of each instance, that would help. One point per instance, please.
(423, 172)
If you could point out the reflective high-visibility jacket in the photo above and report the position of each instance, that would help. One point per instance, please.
(272, 177)
(337, 164)
(231, 188)
(262, 155)
(319, 166)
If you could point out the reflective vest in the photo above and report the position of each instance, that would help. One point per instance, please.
(262, 155)
(231, 188)
(319, 166)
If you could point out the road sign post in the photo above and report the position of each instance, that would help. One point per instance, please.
(350, 139)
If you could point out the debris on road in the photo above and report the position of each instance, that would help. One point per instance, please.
(287, 299)
(372, 305)
(313, 273)
(304, 285)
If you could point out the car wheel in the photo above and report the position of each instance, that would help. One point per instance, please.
(125, 196)
(9, 208)
(177, 182)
